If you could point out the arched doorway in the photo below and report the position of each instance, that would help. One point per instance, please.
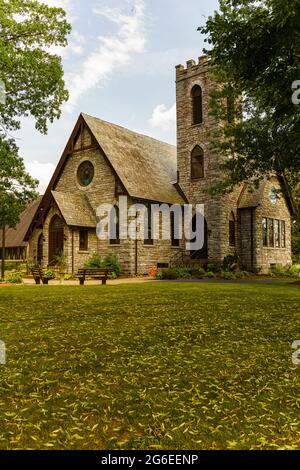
(203, 253)
(56, 238)
(40, 250)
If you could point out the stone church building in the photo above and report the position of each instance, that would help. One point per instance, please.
(102, 161)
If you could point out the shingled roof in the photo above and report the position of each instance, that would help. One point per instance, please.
(75, 209)
(14, 238)
(146, 167)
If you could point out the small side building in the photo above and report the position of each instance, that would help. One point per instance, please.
(16, 249)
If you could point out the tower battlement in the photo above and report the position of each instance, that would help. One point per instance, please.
(191, 66)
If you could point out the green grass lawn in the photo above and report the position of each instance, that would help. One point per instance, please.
(150, 366)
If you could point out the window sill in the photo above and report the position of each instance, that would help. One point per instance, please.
(196, 180)
(275, 248)
(83, 252)
(114, 244)
(197, 125)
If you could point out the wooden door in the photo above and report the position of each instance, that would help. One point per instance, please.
(56, 238)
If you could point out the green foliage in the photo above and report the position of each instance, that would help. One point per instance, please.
(183, 273)
(197, 272)
(17, 188)
(239, 274)
(171, 366)
(209, 275)
(50, 274)
(294, 270)
(33, 76)
(228, 275)
(94, 262)
(255, 50)
(111, 261)
(214, 267)
(14, 278)
(169, 274)
(230, 263)
(289, 271)
(68, 277)
(61, 260)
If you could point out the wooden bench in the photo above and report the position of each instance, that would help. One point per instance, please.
(95, 273)
(38, 276)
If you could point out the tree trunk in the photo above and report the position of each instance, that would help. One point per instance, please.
(3, 254)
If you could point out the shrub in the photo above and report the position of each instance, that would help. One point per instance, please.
(277, 270)
(111, 261)
(239, 274)
(169, 274)
(12, 265)
(197, 272)
(230, 263)
(94, 262)
(214, 267)
(294, 270)
(68, 277)
(209, 275)
(228, 276)
(14, 278)
(183, 273)
(49, 274)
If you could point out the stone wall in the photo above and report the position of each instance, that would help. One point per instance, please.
(280, 211)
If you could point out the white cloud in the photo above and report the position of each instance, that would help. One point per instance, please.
(163, 118)
(42, 172)
(114, 52)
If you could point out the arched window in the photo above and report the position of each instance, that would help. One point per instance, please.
(197, 104)
(232, 240)
(197, 163)
(115, 226)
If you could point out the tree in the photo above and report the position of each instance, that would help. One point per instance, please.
(34, 86)
(33, 76)
(17, 188)
(255, 58)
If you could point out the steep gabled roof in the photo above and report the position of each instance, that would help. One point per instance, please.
(14, 238)
(146, 167)
(75, 209)
(252, 197)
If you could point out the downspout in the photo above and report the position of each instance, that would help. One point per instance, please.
(252, 237)
(72, 250)
(136, 257)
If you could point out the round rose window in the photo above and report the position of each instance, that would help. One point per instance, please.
(85, 173)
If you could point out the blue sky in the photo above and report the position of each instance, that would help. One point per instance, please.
(119, 66)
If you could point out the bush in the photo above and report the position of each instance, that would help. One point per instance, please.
(183, 273)
(49, 274)
(12, 265)
(239, 274)
(277, 270)
(228, 276)
(214, 267)
(209, 275)
(169, 274)
(68, 277)
(14, 278)
(94, 262)
(294, 270)
(111, 261)
(197, 272)
(230, 263)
